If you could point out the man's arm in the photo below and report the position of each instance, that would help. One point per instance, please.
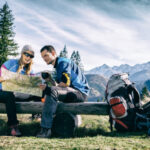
(65, 80)
(64, 69)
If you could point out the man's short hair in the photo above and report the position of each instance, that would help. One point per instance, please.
(49, 48)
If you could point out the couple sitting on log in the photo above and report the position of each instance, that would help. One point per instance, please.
(71, 86)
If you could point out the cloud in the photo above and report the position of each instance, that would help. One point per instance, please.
(111, 32)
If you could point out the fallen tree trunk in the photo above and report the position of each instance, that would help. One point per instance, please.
(93, 108)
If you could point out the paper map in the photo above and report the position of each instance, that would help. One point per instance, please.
(16, 82)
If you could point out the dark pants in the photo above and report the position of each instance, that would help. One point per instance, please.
(65, 95)
(9, 99)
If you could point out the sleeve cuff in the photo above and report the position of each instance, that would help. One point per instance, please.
(66, 79)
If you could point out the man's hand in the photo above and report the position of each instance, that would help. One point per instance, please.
(62, 84)
(42, 86)
(1, 79)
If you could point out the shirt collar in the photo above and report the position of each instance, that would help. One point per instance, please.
(56, 62)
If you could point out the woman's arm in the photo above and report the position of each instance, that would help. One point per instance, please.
(4, 66)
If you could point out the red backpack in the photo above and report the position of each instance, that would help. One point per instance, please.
(123, 99)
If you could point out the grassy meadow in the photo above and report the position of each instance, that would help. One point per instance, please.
(93, 134)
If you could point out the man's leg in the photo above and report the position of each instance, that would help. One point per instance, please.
(75, 96)
(58, 93)
(66, 94)
(48, 112)
(70, 95)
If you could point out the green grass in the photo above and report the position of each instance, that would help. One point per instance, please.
(93, 134)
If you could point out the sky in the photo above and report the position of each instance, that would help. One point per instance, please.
(111, 32)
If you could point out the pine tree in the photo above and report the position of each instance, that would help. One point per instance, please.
(73, 56)
(61, 54)
(7, 45)
(64, 52)
(78, 61)
(145, 92)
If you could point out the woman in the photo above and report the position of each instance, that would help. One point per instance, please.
(22, 66)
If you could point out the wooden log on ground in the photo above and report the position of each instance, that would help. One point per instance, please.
(66, 119)
(93, 108)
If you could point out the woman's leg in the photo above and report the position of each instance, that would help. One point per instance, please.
(9, 100)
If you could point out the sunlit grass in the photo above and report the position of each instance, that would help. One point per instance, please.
(94, 133)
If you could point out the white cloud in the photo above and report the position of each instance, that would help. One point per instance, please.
(99, 34)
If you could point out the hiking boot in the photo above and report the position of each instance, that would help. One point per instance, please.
(14, 131)
(44, 133)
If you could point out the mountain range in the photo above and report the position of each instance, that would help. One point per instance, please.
(97, 85)
(107, 71)
(98, 77)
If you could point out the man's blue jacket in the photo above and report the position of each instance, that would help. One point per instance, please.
(69, 73)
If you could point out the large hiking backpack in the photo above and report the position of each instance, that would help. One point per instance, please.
(123, 99)
(143, 118)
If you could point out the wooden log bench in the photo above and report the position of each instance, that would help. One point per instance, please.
(67, 114)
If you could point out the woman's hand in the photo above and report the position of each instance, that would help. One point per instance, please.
(2, 79)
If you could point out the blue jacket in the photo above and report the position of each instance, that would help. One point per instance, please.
(77, 79)
(12, 65)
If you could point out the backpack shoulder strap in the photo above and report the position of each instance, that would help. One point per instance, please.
(111, 122)
(135, 95)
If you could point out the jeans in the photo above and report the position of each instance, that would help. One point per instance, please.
(9, 99)
(64, 94)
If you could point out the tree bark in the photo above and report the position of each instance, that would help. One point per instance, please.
(93, 108)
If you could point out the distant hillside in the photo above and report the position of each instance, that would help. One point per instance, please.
(97, 84)
(138, 73)
(140, 76)
(141, 84)
(107, 71)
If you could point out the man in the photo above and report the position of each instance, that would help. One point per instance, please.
(72, 87)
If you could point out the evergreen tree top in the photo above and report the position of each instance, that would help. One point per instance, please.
(7, 45)
(64, 52)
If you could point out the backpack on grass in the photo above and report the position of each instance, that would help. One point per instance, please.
(123, 99)
(143, 119)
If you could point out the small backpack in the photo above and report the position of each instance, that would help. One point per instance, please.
(123, 99)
